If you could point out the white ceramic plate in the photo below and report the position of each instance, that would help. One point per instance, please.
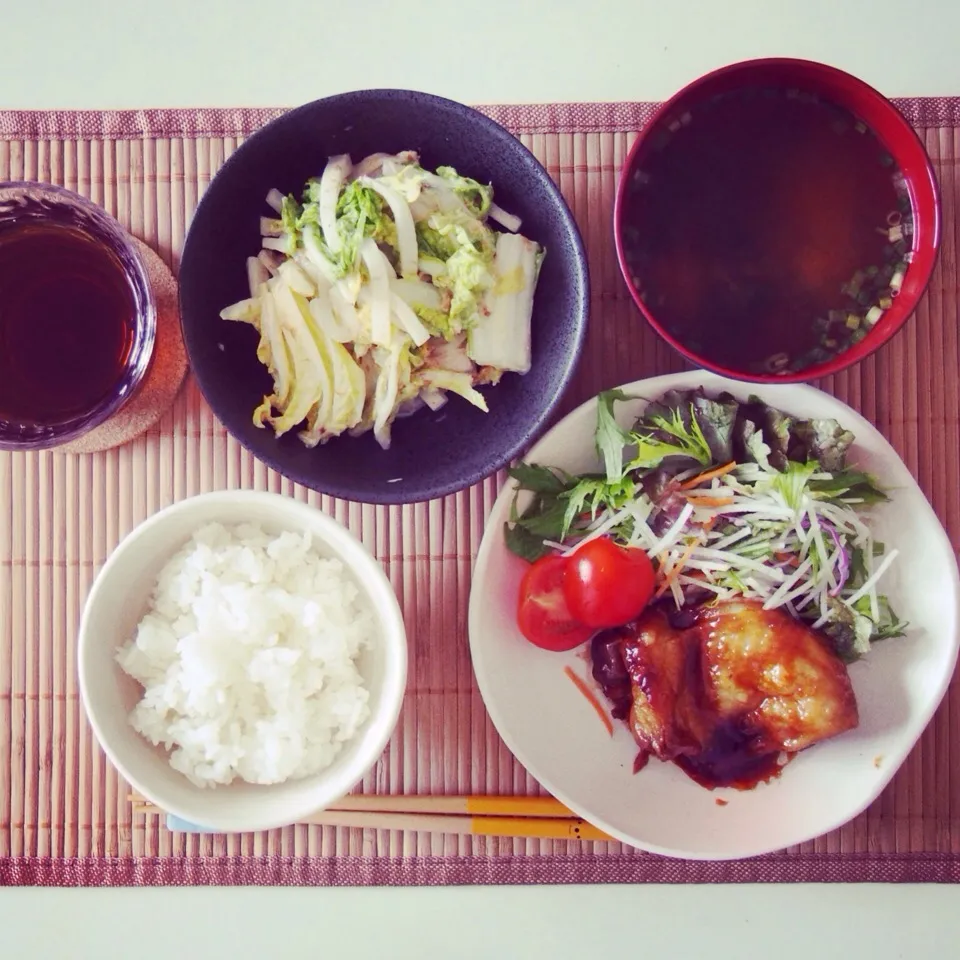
(556, 735)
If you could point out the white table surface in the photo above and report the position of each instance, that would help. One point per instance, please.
(105, 53)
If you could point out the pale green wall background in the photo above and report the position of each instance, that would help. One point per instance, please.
(146, 53)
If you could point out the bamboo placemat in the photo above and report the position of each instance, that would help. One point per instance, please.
(64, 816)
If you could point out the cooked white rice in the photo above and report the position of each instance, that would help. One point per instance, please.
(247, 657)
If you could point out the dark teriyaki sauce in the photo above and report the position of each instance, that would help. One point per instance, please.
(609, 670)
(728, 759)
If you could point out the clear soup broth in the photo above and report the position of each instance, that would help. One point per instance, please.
(767, 229)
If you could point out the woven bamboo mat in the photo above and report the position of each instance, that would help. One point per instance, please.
(64, 817)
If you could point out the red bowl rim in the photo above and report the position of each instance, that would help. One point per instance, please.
(922, 271)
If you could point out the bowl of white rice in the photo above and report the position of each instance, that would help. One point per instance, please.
(242, 660)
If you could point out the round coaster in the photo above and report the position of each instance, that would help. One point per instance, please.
(167, 368)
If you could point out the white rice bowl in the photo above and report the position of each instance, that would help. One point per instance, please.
(247, 657)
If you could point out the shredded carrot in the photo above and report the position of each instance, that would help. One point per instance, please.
(705, 501)
(708, 523)
(709, 475)
(591, 698)
(674, 571)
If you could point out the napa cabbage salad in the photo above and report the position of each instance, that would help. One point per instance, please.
(728, 498)
(383, 288)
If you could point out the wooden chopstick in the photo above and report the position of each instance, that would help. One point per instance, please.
(537, 817)
(493, 806)
(556, 828)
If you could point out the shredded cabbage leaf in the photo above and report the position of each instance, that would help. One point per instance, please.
(384, 287)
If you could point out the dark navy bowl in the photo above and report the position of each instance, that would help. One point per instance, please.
(432, 453)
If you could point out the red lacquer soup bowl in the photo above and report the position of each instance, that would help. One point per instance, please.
(731, 220)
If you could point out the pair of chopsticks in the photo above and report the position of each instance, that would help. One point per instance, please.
(491, 816)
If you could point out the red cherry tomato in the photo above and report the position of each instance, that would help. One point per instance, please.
(606, 584)
(542, 613)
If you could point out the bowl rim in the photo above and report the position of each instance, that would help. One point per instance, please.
(496, 133)
(384, 719)
(874, 340)
(106, 222)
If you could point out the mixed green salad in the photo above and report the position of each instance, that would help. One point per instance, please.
(728, 498)
(381, 289)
